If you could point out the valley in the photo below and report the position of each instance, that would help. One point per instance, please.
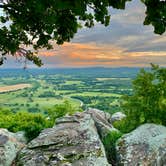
(38, 90)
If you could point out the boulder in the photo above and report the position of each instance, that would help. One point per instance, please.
(101, 120)
(118, 116)
(9, 146)
(73, 141)
(144, 146)
(99, 114)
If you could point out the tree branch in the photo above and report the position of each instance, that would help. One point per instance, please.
(91, 7)
(5, 6)
(1, 6)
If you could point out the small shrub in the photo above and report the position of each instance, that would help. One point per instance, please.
(33, 123)
(61, 110)
(109, 143)
(125, 125)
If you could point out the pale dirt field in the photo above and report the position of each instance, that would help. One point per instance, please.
(13, 87)
(105, 79)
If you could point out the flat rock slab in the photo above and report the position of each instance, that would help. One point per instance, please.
(73, 141)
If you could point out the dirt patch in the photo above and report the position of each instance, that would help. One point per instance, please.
(11, 88)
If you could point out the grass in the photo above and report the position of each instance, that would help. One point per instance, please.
(72, 82)
(96, 94)
(15, 101)
(113, 78)
(31, 100)
(109, 142)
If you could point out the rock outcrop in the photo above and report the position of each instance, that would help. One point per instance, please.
(76, 141)
(73, 141)
(145, 146)
(101, 120)
(10, 144)
(118, 116)
(99, 114)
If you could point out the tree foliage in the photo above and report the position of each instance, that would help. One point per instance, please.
(156, 15)
(148, 102)
(38, 22)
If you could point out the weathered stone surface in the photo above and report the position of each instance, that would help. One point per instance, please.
(73, 141)
(101, 115)
(9, 146)
(117, 117)
(20, 135)
(101, 119)
(145, 146)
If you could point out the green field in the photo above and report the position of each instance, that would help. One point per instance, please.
(80, 88)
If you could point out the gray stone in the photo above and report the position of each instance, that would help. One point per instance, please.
(73, 141)
(9, 146)
(99, 113)
(101, 119)
(145, 146)
(118, 116)
(20, 135)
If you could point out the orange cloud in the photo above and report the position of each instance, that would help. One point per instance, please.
(92, 54)
(47, 53)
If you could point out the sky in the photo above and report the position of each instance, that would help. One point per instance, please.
(126, 42)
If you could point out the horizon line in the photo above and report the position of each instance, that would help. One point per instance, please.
(93, 67)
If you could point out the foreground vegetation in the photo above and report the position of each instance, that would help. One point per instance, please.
(109, 142)
(147, 104)
(33, 123)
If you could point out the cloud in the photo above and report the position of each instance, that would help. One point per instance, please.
(134, 13)
(126, 30)
(93, 54)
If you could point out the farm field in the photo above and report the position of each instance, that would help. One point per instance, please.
(39, 90)
(11, 88)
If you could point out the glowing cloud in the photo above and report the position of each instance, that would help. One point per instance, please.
(92, 54)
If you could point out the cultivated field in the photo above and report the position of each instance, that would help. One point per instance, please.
(16, 87)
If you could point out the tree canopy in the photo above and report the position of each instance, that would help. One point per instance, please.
(36, 23)
(147, 104)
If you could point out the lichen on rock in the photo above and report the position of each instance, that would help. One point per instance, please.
(10, 144)
(72, 141)
(144, 146)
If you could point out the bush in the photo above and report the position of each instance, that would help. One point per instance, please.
(109, 142)
(31, 123)
(61, 110)
(125, 126)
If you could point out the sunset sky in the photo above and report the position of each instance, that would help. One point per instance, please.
(125, 42)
